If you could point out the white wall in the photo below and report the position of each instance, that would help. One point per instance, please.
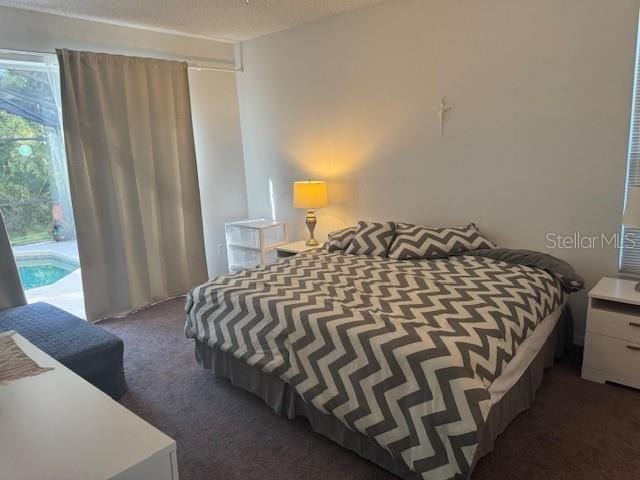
(536, 141)
(213, 97)
(216, 129)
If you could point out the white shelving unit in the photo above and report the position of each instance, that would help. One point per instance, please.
(254, 242)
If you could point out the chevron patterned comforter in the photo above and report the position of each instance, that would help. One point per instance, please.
(401, 351)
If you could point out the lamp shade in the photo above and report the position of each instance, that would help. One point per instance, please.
(631, 216)
(310, 194)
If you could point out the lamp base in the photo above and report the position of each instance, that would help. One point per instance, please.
(311, 221)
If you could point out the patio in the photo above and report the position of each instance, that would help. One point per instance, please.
(66, 293)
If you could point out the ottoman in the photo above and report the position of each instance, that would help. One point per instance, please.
(86, 349)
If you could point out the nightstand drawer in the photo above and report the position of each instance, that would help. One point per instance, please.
(612, 355)
(612, 319)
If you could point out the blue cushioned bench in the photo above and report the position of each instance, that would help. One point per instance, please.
(88, 350)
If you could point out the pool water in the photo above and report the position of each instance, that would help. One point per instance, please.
(40, 275)
(38, 271)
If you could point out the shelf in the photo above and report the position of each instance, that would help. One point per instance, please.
(245, 247)
(254, 242)
(257, 249)
(256, 224)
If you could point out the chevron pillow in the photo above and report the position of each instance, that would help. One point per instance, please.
(372, 238)
(415, 241)
(339, 240)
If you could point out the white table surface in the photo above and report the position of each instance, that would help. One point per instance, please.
(297, 247)
(57, 426)
(617, 290)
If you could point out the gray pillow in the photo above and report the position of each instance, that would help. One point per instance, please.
(372, 238)
(415, 241)
(339, 240)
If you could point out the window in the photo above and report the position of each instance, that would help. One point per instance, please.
(630, 246)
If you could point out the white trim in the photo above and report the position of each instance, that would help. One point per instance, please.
(192, 64)
(23, 65)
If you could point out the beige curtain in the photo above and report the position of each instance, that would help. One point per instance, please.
(133, 179)
(11, 292)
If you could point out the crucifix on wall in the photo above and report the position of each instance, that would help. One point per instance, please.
(442, 111)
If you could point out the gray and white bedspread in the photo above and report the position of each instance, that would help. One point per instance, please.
(400, 351)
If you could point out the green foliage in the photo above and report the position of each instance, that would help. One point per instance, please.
(25, 185)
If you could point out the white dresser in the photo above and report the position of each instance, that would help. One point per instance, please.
(612, 340)
(56, 426)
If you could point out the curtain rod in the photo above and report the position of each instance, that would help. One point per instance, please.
(191, 65)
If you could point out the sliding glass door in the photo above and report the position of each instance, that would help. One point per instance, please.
(34, 186)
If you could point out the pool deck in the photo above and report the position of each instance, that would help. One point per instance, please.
(67, 248)
(66, 293)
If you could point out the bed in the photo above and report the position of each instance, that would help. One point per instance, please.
(416, 365)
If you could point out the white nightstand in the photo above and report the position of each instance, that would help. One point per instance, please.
(612, 340)
(294, 248)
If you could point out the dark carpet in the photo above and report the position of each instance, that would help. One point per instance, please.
(576, 429)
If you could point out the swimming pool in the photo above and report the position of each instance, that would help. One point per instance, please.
(38, 270)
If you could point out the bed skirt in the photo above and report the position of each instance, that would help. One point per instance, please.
(284, 400)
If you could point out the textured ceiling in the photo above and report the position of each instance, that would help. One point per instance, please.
(233, 20)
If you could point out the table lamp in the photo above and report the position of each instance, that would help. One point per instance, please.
(310, 195)
(631, 217)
